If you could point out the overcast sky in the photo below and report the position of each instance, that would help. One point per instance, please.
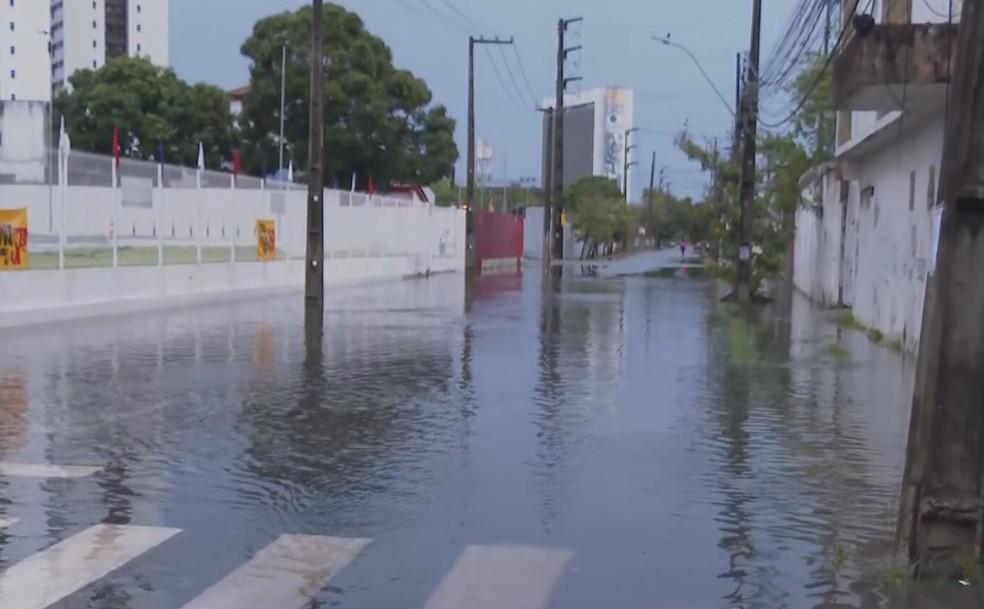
(669, 90)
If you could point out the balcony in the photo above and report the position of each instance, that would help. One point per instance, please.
(895, 65)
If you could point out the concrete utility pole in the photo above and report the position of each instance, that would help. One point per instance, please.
(472, 41)
(548, 187)
(743, 286)
(941, 518)
(314, 280)
(626, 164)
(736, 144)
(557, 201)
(649, 195)
(283, 106)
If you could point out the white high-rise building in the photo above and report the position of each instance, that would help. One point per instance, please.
(85, 33)
(24, 60)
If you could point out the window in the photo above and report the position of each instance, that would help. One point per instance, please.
(93, 64)
(138, 27)
(93, 4)
(931, 189)
(13, 97)
(13, 51)
(138, 47)
(93, 24)
(138, 6)
(11, 26)
(94, 44)
(13, 74)
(11, 2)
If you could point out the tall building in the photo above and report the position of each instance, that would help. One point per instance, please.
(595, 126)
(24, 51)
(85, 33)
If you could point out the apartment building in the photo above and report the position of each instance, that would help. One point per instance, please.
(85, 33)
(867, 238)
(24, 51)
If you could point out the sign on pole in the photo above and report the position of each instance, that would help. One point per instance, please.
(13, 239)
(266, 240)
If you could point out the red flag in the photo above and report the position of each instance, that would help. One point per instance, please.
(372, 186)
(236, 162)
(116, 146)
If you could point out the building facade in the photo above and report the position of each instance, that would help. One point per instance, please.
(24, 26)
(595, 126)
(85, 33)
(866, 237)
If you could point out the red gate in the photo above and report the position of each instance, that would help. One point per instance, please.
(498, 242)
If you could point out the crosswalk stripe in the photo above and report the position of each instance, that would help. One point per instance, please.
(6, 522)
(501, 577)
(40, 470)
(49, 576)
(286, 574)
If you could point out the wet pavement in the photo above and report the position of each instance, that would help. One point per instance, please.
(617, 438)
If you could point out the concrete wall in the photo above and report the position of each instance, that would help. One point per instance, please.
(23, 125)
(887, 232)
(372, 240)
(24, 63)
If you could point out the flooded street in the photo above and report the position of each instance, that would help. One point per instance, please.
(617, 439)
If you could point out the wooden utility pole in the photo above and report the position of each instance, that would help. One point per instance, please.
(314, 280)
(649, 195)
(736, 143)
(557, 201)
(743, 285)
(472, 41)
(548, 187)
(941, 519)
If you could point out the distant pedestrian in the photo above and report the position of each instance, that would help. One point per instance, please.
(683, 250)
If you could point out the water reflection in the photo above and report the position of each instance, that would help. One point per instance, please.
(689, 454)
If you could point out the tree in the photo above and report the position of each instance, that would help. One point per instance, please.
(378, 120)
(599, 213)
(148, 105)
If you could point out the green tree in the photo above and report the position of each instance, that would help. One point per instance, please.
(378, 119)
(599, 213)
(148, 104)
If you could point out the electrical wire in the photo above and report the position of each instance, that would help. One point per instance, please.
(848, 23)
(949, 16)
(512, 78)
(454, 9)
(444, 17)
(800, 36)
(498, 77)
(522, 71)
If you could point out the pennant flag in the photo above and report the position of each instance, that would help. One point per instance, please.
(236, 162)
(353, 181)
(64, 142)
(201, 157)
(290, 171)
(372, 186)
(116, 147)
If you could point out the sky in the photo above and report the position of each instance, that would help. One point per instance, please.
(429, 38)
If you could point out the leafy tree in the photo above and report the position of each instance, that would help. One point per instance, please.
(600, 215)
(148, 104)
(813, 124)
(378, 119)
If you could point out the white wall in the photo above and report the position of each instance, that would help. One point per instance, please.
(29, 59)
(893, 242)
(817, 243)
(373, 239)
(78, 35)
(22, 128)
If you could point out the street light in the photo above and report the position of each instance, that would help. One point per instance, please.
(627, 163)
(666, 41)
(48, 170)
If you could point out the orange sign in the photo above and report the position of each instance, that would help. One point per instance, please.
(266, 239)
(13, 239)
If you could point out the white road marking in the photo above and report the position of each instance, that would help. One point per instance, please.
(501, 577)
(40, 470)
(6, 522)
(49, 576)
(286, 574)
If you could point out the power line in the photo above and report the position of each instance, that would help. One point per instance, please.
(936, 12)
(509, 72)
(816, 82)
(522, 71)
(444, 17)
(462, 14)
(498, 77)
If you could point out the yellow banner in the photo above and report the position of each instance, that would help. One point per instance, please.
(266, 239)
(13, 239)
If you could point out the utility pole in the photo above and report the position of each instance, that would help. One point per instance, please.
(548, 147)
(626, 164)
(472, 41)
(941, 517)
(283, 107)
(557, 201)
(649, 195)
(738, 108)
(314, 280)
(743, 285)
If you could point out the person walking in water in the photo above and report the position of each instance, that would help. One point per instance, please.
(683, 250)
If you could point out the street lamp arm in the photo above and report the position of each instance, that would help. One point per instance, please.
(670, 43)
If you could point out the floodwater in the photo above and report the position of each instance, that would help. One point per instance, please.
(617, 438)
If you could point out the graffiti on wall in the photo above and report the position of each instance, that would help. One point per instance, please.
(13, 239)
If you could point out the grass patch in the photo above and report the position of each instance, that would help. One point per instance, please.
(837, 351)
(95, 257)
(847, 320)
(875, 336)
(895, 345)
